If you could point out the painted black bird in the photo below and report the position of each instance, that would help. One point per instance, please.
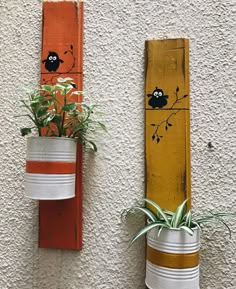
(158, 98)
(52, 62)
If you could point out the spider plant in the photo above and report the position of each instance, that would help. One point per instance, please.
(53, 114)
(181, 219)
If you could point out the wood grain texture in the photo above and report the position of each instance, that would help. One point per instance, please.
(60, 222)
(167, 122)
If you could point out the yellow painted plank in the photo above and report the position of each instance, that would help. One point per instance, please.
(167, 122)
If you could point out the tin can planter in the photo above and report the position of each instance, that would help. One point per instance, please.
(172, 259)
(50, 168)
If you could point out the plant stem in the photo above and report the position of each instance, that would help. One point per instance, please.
(63, 116)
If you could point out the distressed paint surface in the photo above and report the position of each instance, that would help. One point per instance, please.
(60, 222)
(167, 122)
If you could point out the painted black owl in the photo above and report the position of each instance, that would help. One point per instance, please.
(52, 62)
(158, 99)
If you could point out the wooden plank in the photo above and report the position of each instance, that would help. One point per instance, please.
(167, 122)
(60, 222)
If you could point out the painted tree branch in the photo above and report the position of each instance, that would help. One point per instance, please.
(156, 136)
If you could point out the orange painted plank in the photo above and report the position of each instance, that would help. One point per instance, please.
(167, 122)
(60, 222)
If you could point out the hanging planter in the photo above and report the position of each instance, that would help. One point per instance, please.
(172, 259)
(60, 123)
(50, 168)
(173, 244)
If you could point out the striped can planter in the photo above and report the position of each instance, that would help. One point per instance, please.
(172, 259)
(50, 168)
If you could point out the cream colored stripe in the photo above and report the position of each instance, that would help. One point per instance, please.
(170, 260)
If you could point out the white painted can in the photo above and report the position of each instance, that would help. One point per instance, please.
(50, 168)
(170, 244)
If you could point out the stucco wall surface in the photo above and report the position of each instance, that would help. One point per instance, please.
(115, 32)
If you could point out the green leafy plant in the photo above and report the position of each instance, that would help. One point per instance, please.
(50, 110)
(181, 219)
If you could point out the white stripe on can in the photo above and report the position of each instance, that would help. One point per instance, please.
(172, 241)
(51, 149)
(167, 278)
(49, 187)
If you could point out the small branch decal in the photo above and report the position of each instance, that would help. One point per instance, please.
(177, 99)
(71, 51)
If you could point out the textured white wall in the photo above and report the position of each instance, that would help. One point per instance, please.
(115, 32)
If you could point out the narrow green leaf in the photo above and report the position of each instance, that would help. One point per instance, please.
(224, 223)
(102, 125)
(188, 218)
(159, 231)
(233, 214)
(187, 229)
(194, 224)
(159, 210)
(205, 220)
(147, 229)
(178, 216)
(169, 213)
(147, 212)
(93, 145)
